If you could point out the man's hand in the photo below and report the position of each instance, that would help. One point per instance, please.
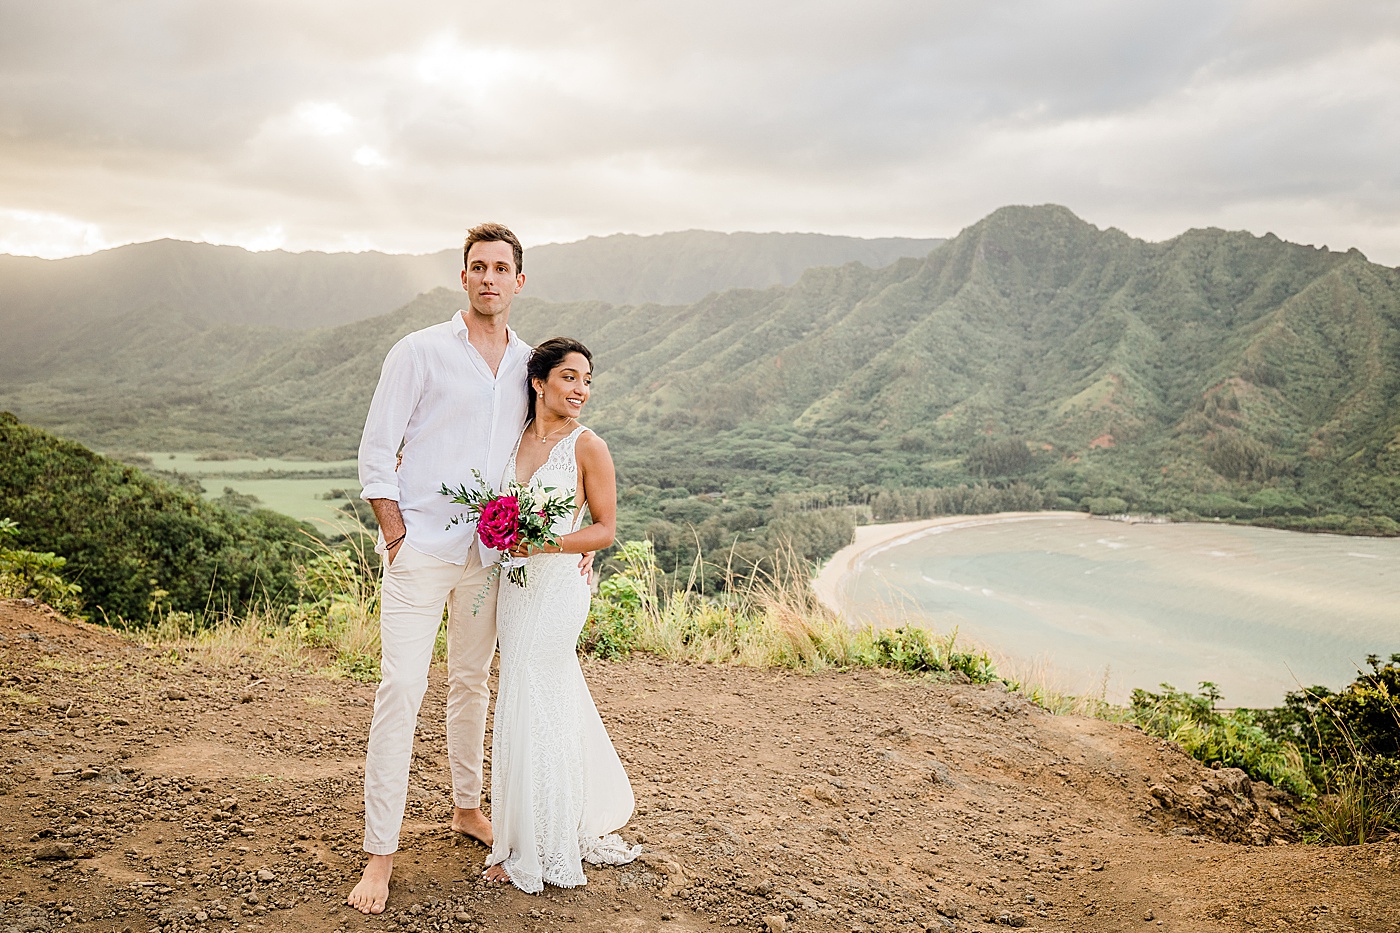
(585, 566)
(386, 512)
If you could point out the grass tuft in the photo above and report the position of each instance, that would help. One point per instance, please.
(768, 620)
(1358, 810)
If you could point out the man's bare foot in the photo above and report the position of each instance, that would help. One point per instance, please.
(372, 893)
(496, 874)
(472, 823)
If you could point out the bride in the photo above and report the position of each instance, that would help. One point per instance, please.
(558, 789)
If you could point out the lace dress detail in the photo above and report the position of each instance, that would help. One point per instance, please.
(558, 789)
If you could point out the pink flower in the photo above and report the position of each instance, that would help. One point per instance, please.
(498, 523)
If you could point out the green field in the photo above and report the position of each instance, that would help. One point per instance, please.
(292, 487)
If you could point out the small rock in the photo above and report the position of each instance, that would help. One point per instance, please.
(175, 693)
(59, 851)
(462, 916)
(1149, 916)
(266, 875)
(252, 899)
(775, 924)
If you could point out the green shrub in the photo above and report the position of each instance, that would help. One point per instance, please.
(610, 631)
(1106, 505)
(35, 574)
(906, 649)
(1233, 738)
(1351, 747)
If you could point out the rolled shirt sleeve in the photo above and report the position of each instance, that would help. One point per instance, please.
(399, 389)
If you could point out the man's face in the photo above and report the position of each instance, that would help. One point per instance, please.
(490, 277)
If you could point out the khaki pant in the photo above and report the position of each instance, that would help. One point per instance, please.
(415, 588)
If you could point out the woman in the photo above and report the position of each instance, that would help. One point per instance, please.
(558, 789)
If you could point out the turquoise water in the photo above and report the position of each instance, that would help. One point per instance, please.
(1254, 610)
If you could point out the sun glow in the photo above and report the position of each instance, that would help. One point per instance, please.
(47, 235)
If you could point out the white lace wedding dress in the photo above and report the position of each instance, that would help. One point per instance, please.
(558, 789)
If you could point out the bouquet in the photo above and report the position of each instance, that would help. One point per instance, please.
(522, 514)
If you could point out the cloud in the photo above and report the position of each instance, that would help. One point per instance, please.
(48, 235)
(396, 127)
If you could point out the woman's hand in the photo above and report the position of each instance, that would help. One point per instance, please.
(525, 550)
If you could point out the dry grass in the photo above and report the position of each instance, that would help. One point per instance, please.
(1358, 811)
(766, 620)
(1047, 688)
(769, 619)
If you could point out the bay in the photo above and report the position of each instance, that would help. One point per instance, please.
(1113, 606)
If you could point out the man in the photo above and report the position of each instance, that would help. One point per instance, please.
(451, 398)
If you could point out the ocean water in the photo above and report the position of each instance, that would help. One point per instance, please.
(1254, 610)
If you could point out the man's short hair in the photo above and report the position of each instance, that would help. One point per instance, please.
(486, 233)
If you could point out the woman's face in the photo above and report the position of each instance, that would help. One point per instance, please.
(567, 388)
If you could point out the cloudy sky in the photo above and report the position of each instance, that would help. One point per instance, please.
(341, 125)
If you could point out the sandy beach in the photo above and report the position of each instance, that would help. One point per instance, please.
(831, 581)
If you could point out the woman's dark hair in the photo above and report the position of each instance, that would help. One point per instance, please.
(543, 361)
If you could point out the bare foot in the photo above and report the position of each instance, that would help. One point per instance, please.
(472, 823)
(496, 874)
(372, 893)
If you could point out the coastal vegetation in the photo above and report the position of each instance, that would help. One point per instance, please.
(1034, 361)
(1338, 752)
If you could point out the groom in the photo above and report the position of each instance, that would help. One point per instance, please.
(451, 398)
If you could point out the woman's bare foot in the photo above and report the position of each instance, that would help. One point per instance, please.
(472, 823)
(496, 874)
(372, 893)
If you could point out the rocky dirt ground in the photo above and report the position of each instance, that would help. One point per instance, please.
(142, 790)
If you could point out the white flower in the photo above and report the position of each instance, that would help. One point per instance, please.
(542, 495)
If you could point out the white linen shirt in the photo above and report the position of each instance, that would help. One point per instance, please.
(438, 398)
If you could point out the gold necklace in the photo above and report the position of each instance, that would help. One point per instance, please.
(544, 438)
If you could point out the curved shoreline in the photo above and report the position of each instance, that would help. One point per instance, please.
(832, 579)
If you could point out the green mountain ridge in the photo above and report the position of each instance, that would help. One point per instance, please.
(1218, 372)
(44, 302)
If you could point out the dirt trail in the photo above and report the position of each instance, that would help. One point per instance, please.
(142, 791)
